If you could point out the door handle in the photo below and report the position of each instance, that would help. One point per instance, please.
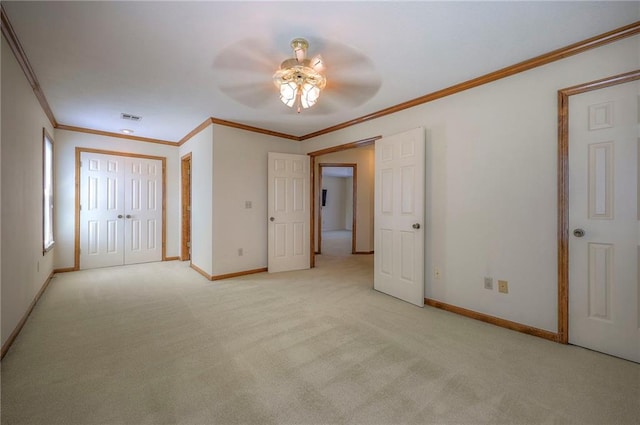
(416, 226)
(128, 215)
(578, 233)
(120, 216)
(272, 219)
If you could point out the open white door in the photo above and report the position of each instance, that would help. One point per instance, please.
(288, 209)
(604, 244)
(399, 216)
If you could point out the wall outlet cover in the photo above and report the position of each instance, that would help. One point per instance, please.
(436, 273)
(503, 286)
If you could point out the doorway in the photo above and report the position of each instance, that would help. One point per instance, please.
(337, 225)
(185, 186)
(348, 154)
(599, 299)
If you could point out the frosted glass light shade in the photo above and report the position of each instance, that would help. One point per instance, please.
(309, 95)
(288, 92)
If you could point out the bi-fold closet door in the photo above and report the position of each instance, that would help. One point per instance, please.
(120, 210)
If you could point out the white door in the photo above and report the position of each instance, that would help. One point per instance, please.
(101, 210)
(603, 219)
(120, 210)
(399, 216)
(143, 210)
(288, 209)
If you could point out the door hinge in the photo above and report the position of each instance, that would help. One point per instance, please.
(188, 244)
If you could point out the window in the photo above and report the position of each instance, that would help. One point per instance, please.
(47, 191)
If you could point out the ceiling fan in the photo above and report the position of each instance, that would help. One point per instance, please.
(247, 71)
(300, 79)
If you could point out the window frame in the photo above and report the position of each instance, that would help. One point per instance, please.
(48, 189)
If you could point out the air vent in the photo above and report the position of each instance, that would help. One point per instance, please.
(130, 117)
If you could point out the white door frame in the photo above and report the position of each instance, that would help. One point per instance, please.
(79, 151)
(563, 190)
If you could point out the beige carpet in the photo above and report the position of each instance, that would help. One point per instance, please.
(336, 242)
(159, 344)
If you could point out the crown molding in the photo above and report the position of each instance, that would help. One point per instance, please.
(555, 55)
(206, 123)
(255, 129)
(117, 135)
(21, 57)
(212, 120)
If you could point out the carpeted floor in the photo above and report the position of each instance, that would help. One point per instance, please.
(159, 344)
(336, 243)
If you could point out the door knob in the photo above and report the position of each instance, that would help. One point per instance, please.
(128, 215)
(578, 233)
(272, 219)
(119, 215)
(416, 226)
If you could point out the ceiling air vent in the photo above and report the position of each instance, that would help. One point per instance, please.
(130, 117)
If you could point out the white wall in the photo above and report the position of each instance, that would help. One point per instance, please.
(66, 143)
(201, 148)
(492, 183)
(25, 269)
(348, 195)
(364, 158)
(333, 213)
(240, 175)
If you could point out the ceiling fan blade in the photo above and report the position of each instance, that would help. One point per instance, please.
(253, 95)
(324, 107)
(247, 55)
(351, 93)
(339, 56)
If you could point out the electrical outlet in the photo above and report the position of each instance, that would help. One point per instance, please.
(436, 273)
(488, 283)
(248, 205)
(240, 252)
(503, 286)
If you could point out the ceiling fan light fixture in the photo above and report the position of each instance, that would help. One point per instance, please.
(299, 79)
(288, 92)
(310, 95)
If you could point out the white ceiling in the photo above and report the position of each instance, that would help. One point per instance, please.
(178, 63)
